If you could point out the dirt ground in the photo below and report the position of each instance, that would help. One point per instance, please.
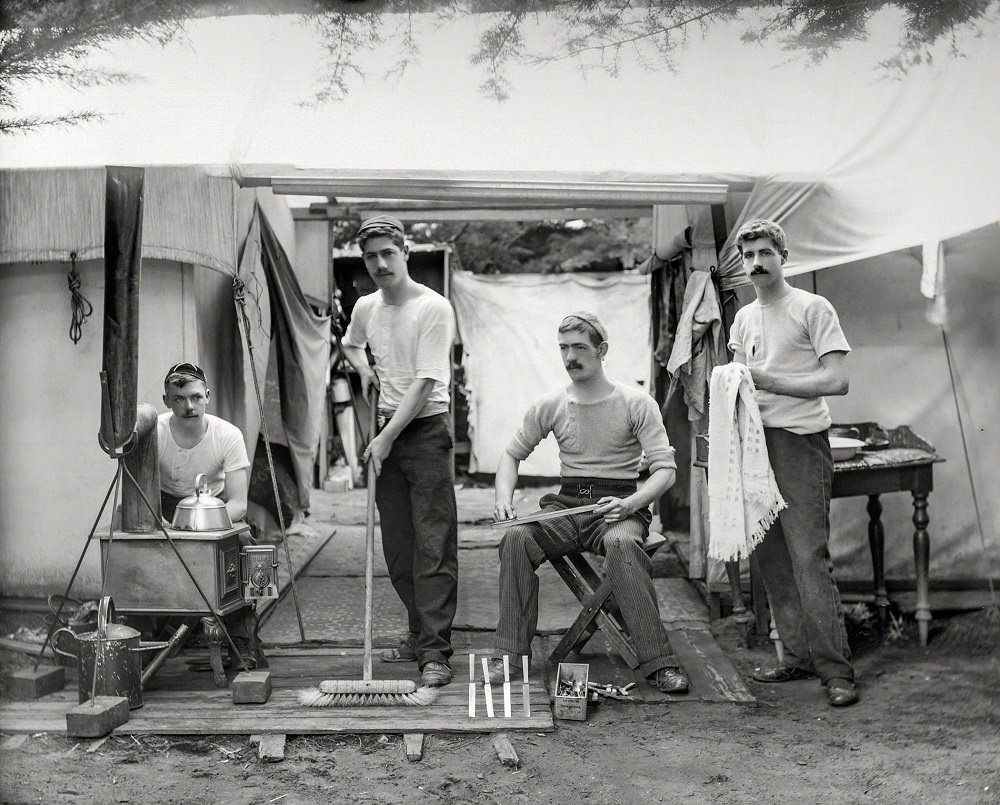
(927, 730)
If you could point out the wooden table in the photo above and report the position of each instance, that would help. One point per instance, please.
(906, 465)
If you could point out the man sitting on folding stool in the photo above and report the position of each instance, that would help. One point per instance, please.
(602, 429)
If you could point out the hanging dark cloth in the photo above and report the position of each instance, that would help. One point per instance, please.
(668, 279)
(302, 349)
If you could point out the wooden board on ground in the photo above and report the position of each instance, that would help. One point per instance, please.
(302, 547)
(681, 607)
(713, 677)
(505, 751)
(184, 702)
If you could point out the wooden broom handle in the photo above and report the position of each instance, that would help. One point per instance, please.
(370, 535)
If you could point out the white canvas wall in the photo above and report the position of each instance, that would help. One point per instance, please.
(54, 473)
(508, 327)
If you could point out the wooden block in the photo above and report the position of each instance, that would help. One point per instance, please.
(271, 748)
(96, 718)
(252, 687)
(28, 683)
(505, 751)
(414, 745)
(15, 741)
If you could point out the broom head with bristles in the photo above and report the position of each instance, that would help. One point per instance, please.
(368, 693)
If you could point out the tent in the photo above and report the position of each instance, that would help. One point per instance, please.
(887, 185)
(196, 223)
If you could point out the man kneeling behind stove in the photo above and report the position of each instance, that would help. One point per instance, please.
(603, 429)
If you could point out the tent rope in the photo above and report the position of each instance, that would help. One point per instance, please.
(81, 307)
(239, 298)
(968, 461)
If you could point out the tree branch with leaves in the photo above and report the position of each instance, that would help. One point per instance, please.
(48, 41)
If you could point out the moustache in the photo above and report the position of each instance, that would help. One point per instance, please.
(573, 365)
(758, 271)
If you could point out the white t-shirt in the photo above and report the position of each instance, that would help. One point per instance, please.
(787, 338)
(409, 341)
(221, 450)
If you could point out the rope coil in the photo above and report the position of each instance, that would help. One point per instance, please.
(81, 307)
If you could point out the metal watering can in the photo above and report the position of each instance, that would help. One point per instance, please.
(115, 651)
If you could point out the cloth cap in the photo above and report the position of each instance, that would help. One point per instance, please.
(588, 319)
(191, 370)
(385, 223)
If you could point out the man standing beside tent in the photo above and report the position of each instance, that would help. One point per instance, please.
(410, 329)
(792, 343)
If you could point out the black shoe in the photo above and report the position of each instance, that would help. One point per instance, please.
(841, 693)
(781, 673)
(671, 680)
(405, 652)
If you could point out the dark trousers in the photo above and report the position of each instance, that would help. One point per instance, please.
(794, 557)
(415, 494)
(526, 547)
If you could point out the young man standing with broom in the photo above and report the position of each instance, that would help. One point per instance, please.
(410, 329)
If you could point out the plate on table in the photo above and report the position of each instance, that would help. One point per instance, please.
(875, 443)
(844, 448)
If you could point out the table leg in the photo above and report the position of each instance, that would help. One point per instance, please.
(921, 558)
(758, 598)
(735, 587)
(876, 541)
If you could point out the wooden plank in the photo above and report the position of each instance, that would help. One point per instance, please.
(679, 600)
(15, 742)
(548, 514)
(505, 751)
(707, 667)
(184, 702)
(413, 743)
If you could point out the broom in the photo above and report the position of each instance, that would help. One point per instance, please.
(368, 692)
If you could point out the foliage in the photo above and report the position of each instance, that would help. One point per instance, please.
(599, 33)
(47, 40)
(493, 247)
(536, 247)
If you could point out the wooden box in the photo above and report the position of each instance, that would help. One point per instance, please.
(146, 577)
(571, 675)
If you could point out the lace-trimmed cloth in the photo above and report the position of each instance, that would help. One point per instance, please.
(743, 497)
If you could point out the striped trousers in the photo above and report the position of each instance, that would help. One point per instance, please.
(526, 547)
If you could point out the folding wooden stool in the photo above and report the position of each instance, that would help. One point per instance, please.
(599, 606)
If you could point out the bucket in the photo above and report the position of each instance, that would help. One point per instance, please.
(114, 651)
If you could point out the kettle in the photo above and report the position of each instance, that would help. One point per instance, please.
(201, 511)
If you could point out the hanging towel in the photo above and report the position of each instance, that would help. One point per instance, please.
(743, 497)
(697, 347)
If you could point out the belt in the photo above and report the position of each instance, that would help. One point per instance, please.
(596, 487)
